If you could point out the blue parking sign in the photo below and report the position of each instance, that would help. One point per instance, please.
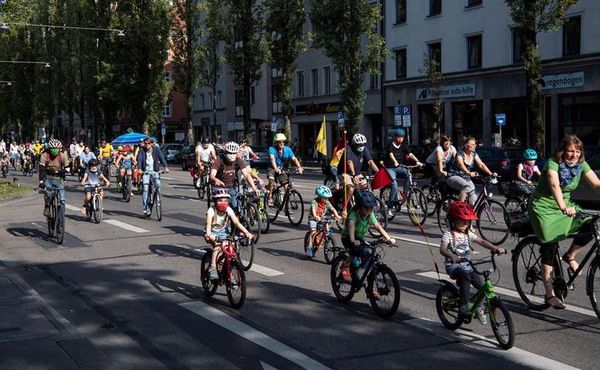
(500, 119)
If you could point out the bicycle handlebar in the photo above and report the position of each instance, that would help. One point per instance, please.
(493, 255)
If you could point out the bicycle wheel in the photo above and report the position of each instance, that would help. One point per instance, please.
(273, 209)
(60, 224)
(432, 195)
(380, 211)
(252, 222)
(492, 223)
(236, 284)
(514, 204)
(330, 250)
(383, 290)
(416, 206)
(342, 289)
(593, 284)
(441, 211)
(158, 205)
(209, 286)
(128, 186)
(294, 207)
(201, 188)
(447, 302)
(265, 222)
(245, 251)
(51, 218)
(502, 324)
(97, 209)
(385, 193)
(527, 273)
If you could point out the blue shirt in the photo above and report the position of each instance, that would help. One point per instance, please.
(85, 158)
(282, 158)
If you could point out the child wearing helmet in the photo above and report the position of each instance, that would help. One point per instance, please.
(218, 218)
(456, 246)
(319, 207)
(360, 218)
(525, 172)
(125, 162)
(91, 179)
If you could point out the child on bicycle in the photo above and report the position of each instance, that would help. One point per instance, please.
(456, 247)
(525, 172)
(125, 162)
(91, 179)
(356, 226)
(319, 207)
(218, 218)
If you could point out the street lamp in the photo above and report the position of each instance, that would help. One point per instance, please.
(7, 83)
(46, 64)
(4, 27)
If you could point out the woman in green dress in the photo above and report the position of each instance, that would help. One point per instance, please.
(552, 212)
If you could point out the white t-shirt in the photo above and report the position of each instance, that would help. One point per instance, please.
(220, 222)
(149, 162)
(459, 244)
(432, 159)
(204, 154)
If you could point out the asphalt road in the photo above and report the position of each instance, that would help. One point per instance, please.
(131, 288)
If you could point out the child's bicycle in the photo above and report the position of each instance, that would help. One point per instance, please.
(368, 271)
(447, 303)
(323, 239)
(230, 270)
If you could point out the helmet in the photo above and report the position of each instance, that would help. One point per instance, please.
(530, 154)
(55, 144)
(127, 148)
(232, 147)
(359, 139)
(27, 145)
(365, 198)
(205, 140)
(461, 210)
(400, 132)
(93, 162)
(279, 137)
(220, 193)
(323, 191)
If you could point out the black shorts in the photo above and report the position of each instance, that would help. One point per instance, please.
(281, 178)
(583, 237)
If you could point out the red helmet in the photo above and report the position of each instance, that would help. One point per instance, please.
(461, 210)
(126, 148)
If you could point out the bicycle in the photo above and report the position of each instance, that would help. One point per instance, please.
(516, 200)
(447, 303)
(27, 167)
(4, 170)
(413, 197)
(432, 194)
(491, 222)
(382, 286)
(527, 270)
(323, 239)
(230, 272)
(249, 217)
(265, 222)
(94, 207)
(202, 183)
(154, 198)
(56, 215)
(285, 197)
(126, 185)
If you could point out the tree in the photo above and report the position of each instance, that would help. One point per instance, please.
(287, 40)
(347, 31)
(246, 48)
(531, 18)
(431, 68)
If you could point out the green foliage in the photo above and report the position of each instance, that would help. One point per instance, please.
(433, 71)
(347, 31)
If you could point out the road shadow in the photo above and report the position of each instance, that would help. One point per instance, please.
(27, 232)
(124, 213)
(172, 286)
(282, 252)
(186, 231)
(180, 197)
(166, 250)
(76, 217)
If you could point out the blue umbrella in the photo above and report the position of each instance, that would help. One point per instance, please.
(131, 138)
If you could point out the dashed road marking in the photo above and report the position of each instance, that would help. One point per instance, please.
(126, 226)
(72, 208)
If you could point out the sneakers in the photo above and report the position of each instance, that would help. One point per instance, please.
(146, 213)
(213, 274)
(481, 316)
(310, 252)
(346, 274)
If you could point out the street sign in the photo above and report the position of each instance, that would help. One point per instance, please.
(397, 116)
(273, 123)
(406, 112)
(341, 119)
(163, 129)
(500, 119)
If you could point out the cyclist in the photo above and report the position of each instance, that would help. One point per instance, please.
(92, 178)
(356, 227)
(319, 207)
(125, 163)
(2, 147)
(280, 156)
(441, 157)
(27, 155)
(205, 156)
(14, 154)
(105, 153)
(73, 151)
(459, 176)
(51, 172)
(218, 218)
(398, 154)
(148, 161)
(85, 158)
(246, 152)
(4, 163)
(525, 172)
(224, 173)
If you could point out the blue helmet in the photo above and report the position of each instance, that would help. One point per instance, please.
(365, 198)
(323, 191)
(530, 154)
(400, 132)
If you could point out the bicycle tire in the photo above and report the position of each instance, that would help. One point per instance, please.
(294, 206)
(236, 284)
(128, 185)
(330, 250)
(384, 194)
(384, 280)
(209, 286)
(158, 205)
(432, 196)
(50, 222)
(492, 225)
(447, 303)
(380, 211)
(498, 311)
(253, 221)
(201, 188)
(342, 289)
(514, 204)
(245, 252)
(265, 222)
(272, 210)
(97, 209)
(416, 206)
(527, 273)
(441, 211)
(60, 224)
(593, 286)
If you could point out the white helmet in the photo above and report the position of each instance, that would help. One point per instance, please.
(232, 147)
(359, 139)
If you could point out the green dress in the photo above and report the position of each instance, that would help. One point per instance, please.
(547, 219)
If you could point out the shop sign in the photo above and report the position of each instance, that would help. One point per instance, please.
(317, 108)
(563, 81)
(447, 92)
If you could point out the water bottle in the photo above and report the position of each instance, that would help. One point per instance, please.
(356, 262)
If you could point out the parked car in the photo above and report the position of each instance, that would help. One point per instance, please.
(171, 150)
(585, 195)
(503, 161)
(263, 160)
(187, 157)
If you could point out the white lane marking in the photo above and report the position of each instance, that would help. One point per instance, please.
(166, 178)
(511, 293)
(72, 208)
(479, 342)
(126, 226)
(247, 332)
(266, 366)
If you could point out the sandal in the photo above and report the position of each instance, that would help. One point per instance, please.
(570, 269)
(555, 302)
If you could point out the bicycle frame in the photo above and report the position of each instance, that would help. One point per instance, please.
(595, 249)
(288, 186)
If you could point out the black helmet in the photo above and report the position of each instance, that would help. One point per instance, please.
(92, 162)
(365, 198)
(205, 140)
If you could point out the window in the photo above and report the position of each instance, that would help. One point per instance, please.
(435, 53)
(275, 72)
(517, 45)
(314, 80)
(276, 98)
(239, 109)
(474, 3)
(327, 80)
(201, 98)
(401, 63)
(219, 99)
(374, 82)
(400, 11)
(572, 36)
(300, 83)
(435, 7)
(167, 109)
(474, 51)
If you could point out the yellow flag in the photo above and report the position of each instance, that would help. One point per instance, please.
(322, 138)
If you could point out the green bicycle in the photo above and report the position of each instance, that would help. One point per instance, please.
(447, 303)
